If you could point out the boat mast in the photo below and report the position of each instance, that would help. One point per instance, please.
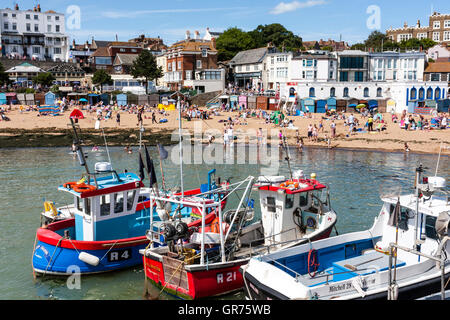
(181, 146)
(419, 171)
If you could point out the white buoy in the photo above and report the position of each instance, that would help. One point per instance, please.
(89, 258)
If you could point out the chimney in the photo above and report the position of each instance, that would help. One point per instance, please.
(405, 25)
(213, 42)
(188, 35)
(418, 23)
(34, 9)
(38, 8)
(16, 7)
(196, 35)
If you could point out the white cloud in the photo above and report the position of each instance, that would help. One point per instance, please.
(284, 7)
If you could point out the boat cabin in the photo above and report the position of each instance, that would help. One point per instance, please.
(290, 208)
(108, 211)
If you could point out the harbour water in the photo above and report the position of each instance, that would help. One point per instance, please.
(28, 176)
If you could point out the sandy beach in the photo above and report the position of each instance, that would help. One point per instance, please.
(392, 139)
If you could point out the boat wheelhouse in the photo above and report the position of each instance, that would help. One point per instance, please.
(400, 256)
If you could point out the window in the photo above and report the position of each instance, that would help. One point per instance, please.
(421, 94)
(188, 75)
(14, 26)
(446, 36)
(436, 25)
(58, 51)
(36, 50)
(421, 36)
(101, 60)
(272, 60)
(437, 93)
(430, 229)
(255, 67)
(36, 17)
(247, 68)
(36, 28)
(436, 36)
(413, 94)
(289, 204)
(5, 14)
(404, 37)
(130, 199)
(380, 63)
(303, 199)
(28, 27)
(271, 207)
(6, 26)
(282, 72)
(57, 28)
(49, 28)
(204, 53)
(87, 206)
(49, 18)
(359, 76)
(379, 92)
(352, 62)
(179, 65)
(430, 94)
(332, 92)
(366, 92)
(199, 64)
(118, 203)
(395, 75)
(105, 205)
(28, 17)
(57, 18)
(345, 94)
(312, 92)
(435, 77)
(343, 76)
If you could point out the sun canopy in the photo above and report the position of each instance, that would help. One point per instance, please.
(76, 114)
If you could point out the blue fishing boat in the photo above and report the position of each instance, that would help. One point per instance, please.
(108, 220)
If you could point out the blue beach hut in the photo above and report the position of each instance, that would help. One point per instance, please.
(50, 98)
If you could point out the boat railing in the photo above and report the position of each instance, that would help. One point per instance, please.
(274, 244)
(440, 260)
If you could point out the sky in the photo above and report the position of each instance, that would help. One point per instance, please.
(349, 20)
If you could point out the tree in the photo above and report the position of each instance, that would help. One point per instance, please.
(376, 40)
(232, 41)
(276, 34)
(145, 66)
(45, 79)
(100, 78)
(4, 78)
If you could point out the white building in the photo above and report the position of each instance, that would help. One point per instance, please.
(313, 67)
(33, 34)
(396, 66)
(438, 53)
(276, 66)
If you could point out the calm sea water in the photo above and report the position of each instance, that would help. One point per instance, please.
(28, 176)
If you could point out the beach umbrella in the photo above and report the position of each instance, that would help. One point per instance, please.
(352, 105)
(83, 100)
(76, 114)
(360, 106)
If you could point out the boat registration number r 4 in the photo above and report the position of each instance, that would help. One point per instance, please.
(226, 277)
(119, 255)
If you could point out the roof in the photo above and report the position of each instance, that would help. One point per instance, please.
(125, 59)
(65, 67)
(193, 45)
(249, 56)
(438, 67)
(122, 44)
(25, 67)
(101, 52)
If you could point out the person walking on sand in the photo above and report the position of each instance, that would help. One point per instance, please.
(315, 133)
(333, 129)
(310, 131)
(370, 123)
(259, 135)
(118, 119)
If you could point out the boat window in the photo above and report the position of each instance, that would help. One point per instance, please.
(303, 200)
(105, 205)
(87, 206)
(289, 201)
(430, 227)
(404, 217)
(271, 204)
(78, 204)
(118, 203)
(130, 199)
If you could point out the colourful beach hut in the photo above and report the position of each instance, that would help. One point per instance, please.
(121, 99)
(310, 103)
(11, 98)
(243, 101)
(320, 106)
(332, 104)
(3, 98)
(50, 98)
(234, 102)
(251, 102)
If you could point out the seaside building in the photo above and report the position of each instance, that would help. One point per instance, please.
(33, 34)
(328, 44)
(192, 63)
(396, 66)
(353, 66)
(161, 61)
(437, 71)
(437, 30)
(105, 57)
(23, 73)
(438, 53)
(154, 45)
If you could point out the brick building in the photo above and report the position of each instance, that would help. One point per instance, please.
(105, 57)
(193, 63)
(437, 30)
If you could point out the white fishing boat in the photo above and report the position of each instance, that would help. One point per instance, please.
(402, 256)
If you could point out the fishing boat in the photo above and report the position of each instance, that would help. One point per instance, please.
(108, 220)
(203, 261)
(402, 256)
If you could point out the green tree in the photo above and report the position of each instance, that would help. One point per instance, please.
(376, 40)
(45, 79)
(100, 78)
(4, 78)
(145, 66)
(276, 34)
(231, 42)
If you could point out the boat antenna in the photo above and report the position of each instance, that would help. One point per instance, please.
(181, 145)
(80, 154)
(439, 158)
(288, 156)
(106, 146)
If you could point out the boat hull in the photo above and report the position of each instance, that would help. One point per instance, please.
(203, 282)
(57, 255)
